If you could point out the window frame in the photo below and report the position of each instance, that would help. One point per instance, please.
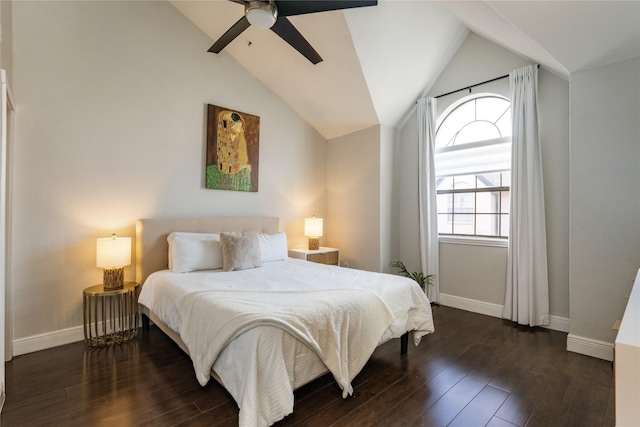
(452, 237)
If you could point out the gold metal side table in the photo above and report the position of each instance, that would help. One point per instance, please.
(110, 315)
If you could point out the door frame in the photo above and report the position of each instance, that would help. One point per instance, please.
(7, 124)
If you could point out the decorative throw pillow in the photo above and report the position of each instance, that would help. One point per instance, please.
(240, 250)
(273, 247)
(194, 251)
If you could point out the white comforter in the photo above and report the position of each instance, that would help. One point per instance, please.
(251, 356)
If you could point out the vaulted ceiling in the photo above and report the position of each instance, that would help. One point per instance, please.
(379, 60)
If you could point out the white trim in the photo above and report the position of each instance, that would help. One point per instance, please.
(474, 306)
(556, 323)
(474, 241)
(590, 347)
(47, 340)
(53, 339)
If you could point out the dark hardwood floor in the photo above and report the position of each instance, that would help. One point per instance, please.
(473, 371)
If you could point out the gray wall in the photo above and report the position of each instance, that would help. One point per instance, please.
(605, 196)
(354, 196)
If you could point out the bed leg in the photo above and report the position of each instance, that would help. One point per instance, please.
(145, 322)
(404, 341)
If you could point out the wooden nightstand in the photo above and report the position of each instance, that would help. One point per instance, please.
(330, 256)
(110, 316)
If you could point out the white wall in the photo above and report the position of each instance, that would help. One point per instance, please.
(111, 127)
(354, 197)
(605, 202)
(478, 272)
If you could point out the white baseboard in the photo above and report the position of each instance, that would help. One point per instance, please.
(48, 340)
(590, 347)
(556, 323)
(474, 306)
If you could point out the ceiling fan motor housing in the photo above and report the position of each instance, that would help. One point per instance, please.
(261, 14)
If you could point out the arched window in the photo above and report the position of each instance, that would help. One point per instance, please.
(473, 167)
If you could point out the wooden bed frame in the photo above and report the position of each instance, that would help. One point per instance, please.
(152, 251)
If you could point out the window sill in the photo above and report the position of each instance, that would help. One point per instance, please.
(474, 241)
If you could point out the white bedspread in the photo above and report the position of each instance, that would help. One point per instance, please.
(252, 358)
(342, 327)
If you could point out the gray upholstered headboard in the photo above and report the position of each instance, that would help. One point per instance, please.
(152, 249)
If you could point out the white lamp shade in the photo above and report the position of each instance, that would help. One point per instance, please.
(313, 227)
(113, 252)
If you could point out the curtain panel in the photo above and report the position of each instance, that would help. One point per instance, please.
(429, 251)
(527, 287)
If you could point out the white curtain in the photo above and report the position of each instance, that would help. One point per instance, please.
(429, 258)
(527, 291)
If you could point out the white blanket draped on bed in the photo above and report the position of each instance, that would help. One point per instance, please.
(342, 327)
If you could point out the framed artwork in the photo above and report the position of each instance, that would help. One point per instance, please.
(233, 142)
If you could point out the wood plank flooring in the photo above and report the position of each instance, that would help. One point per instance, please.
(473, 371)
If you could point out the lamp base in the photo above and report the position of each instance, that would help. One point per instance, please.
(113, 278)
(314, 243)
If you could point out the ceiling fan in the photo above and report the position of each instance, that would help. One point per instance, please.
(273, 14)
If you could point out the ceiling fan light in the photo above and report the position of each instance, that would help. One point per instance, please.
(261, 14)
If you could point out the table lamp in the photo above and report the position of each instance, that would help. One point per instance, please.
(313, 230)
(113, 254)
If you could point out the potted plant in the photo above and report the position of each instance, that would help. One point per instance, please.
(422, 279)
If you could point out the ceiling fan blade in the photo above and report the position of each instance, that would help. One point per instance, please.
(301, 7)
(285, 29)
(231, 34)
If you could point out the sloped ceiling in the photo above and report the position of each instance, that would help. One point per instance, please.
(379, 60)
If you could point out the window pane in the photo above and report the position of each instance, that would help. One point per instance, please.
(463, 224)
(477, 131)
(455, 121)
(506, 179)
(444, 224)
(446, 133)
(487, 224)
(463, 203)
(489, 180)
(488, 202)
(463, 182)
(444, 183)
(505, 206)
(444, 203)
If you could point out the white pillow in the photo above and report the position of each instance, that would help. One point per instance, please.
(194, 251)
(240, 250)
(273, 247)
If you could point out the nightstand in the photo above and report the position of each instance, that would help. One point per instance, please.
(110, 315)
(330, 256)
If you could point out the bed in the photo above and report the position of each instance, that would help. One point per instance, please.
(263, 330)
